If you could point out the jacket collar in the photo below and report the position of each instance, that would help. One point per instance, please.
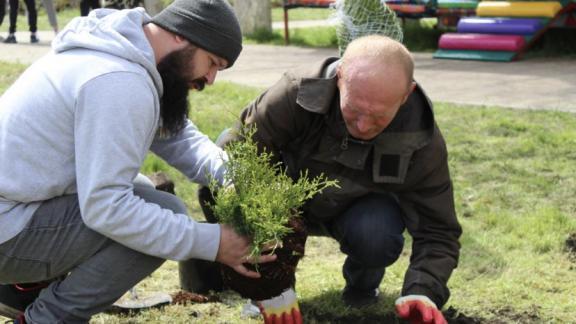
(316, 93)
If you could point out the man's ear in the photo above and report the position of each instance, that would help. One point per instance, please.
(180, 41)
(338, 74)
(411, 88)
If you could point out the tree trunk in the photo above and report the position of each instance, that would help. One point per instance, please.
(254, 15)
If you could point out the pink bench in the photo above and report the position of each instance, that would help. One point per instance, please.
(482, 42)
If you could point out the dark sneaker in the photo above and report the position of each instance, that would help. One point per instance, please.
(11, 39)
(34, 39)
(359, 298)
(15, 298)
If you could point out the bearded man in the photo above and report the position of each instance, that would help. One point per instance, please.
(75, 129)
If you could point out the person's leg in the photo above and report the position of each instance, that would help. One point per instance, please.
(94, 4)
(32, 15)
(51, 12)
(13, 16)
(84, 7)
(370, 234)
(57, 242)
(2, 11)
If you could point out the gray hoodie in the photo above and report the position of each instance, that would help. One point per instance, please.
(81, 120)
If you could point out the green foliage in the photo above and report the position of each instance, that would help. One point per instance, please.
(263, 198)
(302, 13)
(263, 35)
(420, 35)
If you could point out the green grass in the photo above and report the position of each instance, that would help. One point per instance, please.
(318, 37)
(513, 174)
(302, 14)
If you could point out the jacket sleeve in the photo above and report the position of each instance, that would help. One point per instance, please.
(112, 136)
(276, 116)
(192, 153)
(432, 223)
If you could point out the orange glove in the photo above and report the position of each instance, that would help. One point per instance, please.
(419, 309)
(282, 309)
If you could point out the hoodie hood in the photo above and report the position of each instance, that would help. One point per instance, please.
(115, 32)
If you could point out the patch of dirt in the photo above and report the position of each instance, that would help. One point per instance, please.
(162, 182)
(526, 317)
(452, 316)
(185, 298)
(276, 276)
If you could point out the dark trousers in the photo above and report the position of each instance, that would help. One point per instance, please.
(32, 15)
(57, 243)
(2, 11)
(370, 234)
(87, 5)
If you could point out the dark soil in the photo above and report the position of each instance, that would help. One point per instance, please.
(162, 182)
(453, 316)
(185, 297)
(276, 276)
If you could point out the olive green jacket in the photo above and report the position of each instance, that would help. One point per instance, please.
(299, 121)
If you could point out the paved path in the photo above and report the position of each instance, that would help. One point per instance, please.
(527, 84)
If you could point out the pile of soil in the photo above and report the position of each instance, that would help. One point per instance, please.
(162, 182)
(451, 315)
(275, 276)
(185, 298)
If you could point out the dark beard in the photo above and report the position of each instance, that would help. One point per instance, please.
(174, 106)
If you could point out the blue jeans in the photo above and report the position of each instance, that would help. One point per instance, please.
(97, 270)
(370, 234)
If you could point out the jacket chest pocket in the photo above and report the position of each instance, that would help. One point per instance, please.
(390, 166)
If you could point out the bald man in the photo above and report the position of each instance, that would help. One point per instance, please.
(363, 121)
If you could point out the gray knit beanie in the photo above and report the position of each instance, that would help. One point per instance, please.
(208, 24)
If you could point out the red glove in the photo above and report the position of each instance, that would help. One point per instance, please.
(419, 309)
(282, 309)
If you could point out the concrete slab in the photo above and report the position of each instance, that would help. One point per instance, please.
(527, 84)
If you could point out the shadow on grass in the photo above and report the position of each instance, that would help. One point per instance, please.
(556, 42)
(328, 308)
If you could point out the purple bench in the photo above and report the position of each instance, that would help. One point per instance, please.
(512, 26)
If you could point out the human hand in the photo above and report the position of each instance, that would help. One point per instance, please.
(234, 251)
(419, 309)
(282, 309)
